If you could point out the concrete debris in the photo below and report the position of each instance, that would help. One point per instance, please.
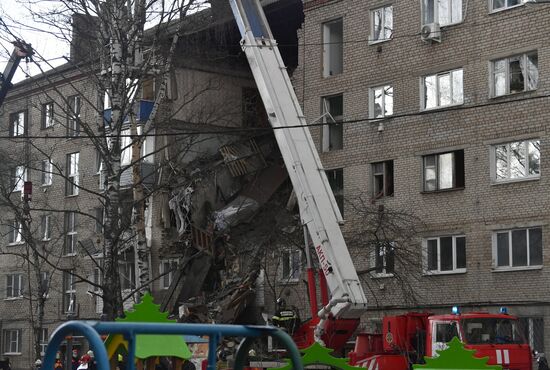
(239, 210)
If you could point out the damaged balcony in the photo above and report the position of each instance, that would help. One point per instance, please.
(142, 111)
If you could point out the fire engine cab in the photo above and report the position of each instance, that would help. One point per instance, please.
(407, 338)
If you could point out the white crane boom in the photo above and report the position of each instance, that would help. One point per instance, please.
(318, 208)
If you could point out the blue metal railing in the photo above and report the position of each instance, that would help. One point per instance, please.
(93, 329)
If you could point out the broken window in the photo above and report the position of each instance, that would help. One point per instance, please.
(384, 258)
(148, 89)
(253, 110)
(515, 74)
(381, 24)
(336, 182)
(72, 182)
(381, 101)
(333, 132)
(127, 272)
(443, 89)
(518, 247)
(18, 123)
(290, 265)
(99, 214)
(444, 171)
(168, 269)
(382, 179)
(19, 176)
(73, 116)
(446, 254)
(333, 50)
(517, 160)
(71, 235)
(505, 4)
(47, 115)
(69, 292)
(444, 12)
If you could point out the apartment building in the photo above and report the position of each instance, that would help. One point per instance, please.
(438, 109)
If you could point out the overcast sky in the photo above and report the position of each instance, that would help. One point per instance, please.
(45, 45)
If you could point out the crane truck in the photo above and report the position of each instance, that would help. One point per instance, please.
(405, 339)
(21, 50)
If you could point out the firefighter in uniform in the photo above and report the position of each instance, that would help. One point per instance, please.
(285, 318)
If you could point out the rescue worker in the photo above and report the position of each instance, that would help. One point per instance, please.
(286, 318)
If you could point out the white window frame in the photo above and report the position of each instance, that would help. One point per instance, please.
(437, 18)
(127, 275)
(14, 286)
(73, 160)
(505, 7)
(331, 47)
(510, 266)
(69, 292)
(439, 173)
(47, 172)
(48, 117)
(384, 255)
(166, 280)
(372, 100)
(508, 178)
(18, 341)
(437, 77)
(20, 175)
(73, 119)
(98, 299)
(16, 234)
(373, 12)
(46, 227)
(71, 234)
(43, 343)
(492, 73)
(20, 128)
(455, 269)
(45, 278)
(294, 258)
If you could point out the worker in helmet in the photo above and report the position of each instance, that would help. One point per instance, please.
(286, 318)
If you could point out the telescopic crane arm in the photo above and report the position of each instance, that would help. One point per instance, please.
(21, 50)
(318, 209)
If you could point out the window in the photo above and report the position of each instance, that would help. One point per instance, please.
(514, 74)
(15, 235)
(148, 89)
(290, 265)
(444, 171)
(381, 24)
(384, 258)
(505, 4)
(333, 132)
(45, 281)
(71, 184)
(43, 341)
(336, 182)
(73, 124)
(99, 214)
(126, 147)
(69, 292)
(19, 176)
(533, 331)
(46, 227)
(381, 101)
(127, 275)
(333, 50)
(444, 12)
(11, 341)
(18, 123)
(442, 89)
(446, 254)
(14, 285)
(382, 179)
(71, 238)
(47, 115)
(516, 160)
(518, 248)
(98, 300)
(168, 269)
(47, 176)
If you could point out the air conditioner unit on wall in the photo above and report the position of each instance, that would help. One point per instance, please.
(431, 32)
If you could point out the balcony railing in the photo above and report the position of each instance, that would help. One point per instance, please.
(142, 112)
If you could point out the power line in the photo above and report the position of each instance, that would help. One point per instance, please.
(240, 130)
